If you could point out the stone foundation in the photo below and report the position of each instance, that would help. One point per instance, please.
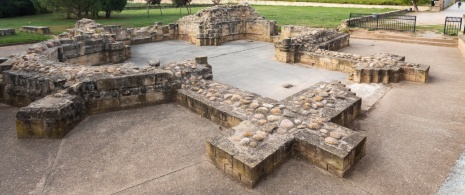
(6, 32)
(257, 134)
(223, 23)
(264, 133)
(50, 117)
(36, 29)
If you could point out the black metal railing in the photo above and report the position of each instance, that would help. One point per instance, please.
(452, 26)
(384, 22)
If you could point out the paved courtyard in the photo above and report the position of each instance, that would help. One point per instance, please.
(415, 134)
(247, 65)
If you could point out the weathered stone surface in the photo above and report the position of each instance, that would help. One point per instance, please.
(6, 32)
(223, 23)
(50, 117)
(36, 29)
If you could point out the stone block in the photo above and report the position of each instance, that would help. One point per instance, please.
(51, 117)
(36, 29)
(7, 32)
(422, 74)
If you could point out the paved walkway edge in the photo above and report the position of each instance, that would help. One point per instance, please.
(454, 181)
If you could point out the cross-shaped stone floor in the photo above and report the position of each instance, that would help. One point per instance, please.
(260, 133)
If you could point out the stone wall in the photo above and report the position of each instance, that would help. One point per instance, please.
(6, 32)
(36, 29)
(52, 91)
(314, 47)
(223, 23)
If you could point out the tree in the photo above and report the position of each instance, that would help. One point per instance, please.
(416, 2)
(216, 2)
(153, 2)
(109, 6)
(76, 7)
(180, 3)
(11, 8)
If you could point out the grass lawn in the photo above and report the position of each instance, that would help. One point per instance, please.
(306, 16)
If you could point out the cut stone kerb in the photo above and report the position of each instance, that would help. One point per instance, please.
(264, 133)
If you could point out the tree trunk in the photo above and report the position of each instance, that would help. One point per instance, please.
(148, 10)
(160, 9)
(78, 14)
(415, 7)
(107, 14)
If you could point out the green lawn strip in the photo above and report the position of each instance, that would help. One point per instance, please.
(363, 2)
(325, 17)
(306, 16)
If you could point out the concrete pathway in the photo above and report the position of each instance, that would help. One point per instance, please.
(415, 134)
(247, 65)
(438, 18)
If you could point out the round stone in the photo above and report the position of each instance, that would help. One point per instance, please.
(254, 105)
(236, 98)
(259, 116)
(262, 110)
(335, 135)
(247, 134)
(262, 122)
(286, 124)
(318, 98)
(227, 96)
(323, 131)
(331, 140)
(276, 111)
(314, 126)
(258, 137)
(245, 141)
(212, 99)
(273, 118)
(253, 144)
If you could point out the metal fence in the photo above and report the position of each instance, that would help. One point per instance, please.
(452, 25)
(384, 22)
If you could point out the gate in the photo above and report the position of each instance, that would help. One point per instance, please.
(452, 25)
(383, 21)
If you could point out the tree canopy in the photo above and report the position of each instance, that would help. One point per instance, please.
(82, 7)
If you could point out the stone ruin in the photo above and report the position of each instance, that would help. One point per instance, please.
(58, 84)
(7, 31)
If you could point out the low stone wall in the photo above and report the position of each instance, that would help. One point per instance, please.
(378, 68)
(36, 29)
(6, 32)
(50, 117)
(92, 89)
(222, 23)
(128, 36)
